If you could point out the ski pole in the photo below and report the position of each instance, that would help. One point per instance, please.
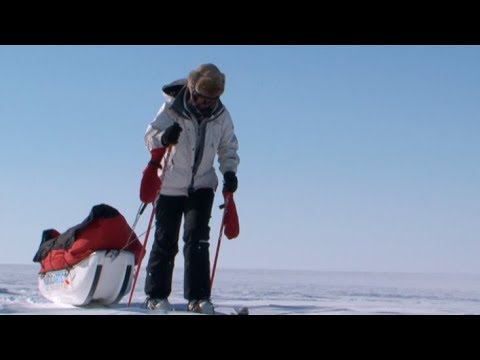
(131, 239)
(225, 206)
(142, 209)
(143, 248)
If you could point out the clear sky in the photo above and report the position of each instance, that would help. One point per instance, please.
(355, 158)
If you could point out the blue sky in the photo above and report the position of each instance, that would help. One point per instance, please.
(355, 158)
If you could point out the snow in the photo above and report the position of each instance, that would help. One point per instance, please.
(273, 292)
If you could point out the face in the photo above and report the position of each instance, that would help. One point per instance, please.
(204, 102)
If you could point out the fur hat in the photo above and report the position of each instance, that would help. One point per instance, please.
(206, 80)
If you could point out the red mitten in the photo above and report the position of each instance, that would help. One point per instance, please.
(150, 184)
(231, 223)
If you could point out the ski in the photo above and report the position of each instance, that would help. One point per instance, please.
(241, 310)
(178, 309)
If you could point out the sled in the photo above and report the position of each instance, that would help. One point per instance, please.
(104, 277)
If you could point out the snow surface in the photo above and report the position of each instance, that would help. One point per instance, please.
(272, 292)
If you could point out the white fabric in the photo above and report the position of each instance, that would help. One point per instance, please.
(220, 140)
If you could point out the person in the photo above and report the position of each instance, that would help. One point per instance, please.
(197, 126)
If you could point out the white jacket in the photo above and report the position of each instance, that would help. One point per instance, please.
(191, 161)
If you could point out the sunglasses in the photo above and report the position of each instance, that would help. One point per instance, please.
(206, 99)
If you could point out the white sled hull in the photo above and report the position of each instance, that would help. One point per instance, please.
(104, 277)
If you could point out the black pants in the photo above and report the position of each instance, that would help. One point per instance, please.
(197, 208)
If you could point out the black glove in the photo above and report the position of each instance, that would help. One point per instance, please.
(171, 135)
(230, 182)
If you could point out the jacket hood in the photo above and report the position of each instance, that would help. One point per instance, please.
(176, 96)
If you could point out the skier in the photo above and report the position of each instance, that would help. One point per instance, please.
(197, 126)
